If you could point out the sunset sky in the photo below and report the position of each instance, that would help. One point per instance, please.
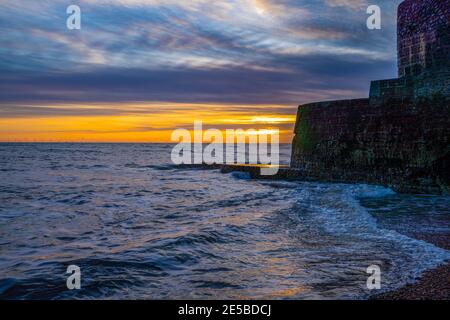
(140, 68)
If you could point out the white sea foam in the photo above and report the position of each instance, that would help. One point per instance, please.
(335, 209)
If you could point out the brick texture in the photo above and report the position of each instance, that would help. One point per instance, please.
(423, 41)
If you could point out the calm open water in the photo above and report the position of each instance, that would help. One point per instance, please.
(139, 227)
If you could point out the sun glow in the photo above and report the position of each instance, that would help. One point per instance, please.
(139, 122)
(273, 119)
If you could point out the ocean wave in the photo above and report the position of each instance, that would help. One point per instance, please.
(241, 175)
(140, 227)
(336, 210)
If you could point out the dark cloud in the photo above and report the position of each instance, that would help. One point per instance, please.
(261, 52)
(232, 85)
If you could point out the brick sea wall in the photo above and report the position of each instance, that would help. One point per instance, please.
(403, 146)
(399, 137)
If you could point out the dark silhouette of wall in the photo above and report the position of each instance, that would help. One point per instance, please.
(400, 136)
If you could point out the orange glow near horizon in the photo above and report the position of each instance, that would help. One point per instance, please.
(145, 122)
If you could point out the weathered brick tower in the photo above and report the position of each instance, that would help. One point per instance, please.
(400, 136)
(423, 52)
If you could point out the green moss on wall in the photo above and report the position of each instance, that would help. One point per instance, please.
(304, 140)
(404, 145)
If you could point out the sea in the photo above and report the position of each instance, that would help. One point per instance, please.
(140, 227)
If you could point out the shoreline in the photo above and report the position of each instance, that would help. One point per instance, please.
(434, 284)
(286, 172)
